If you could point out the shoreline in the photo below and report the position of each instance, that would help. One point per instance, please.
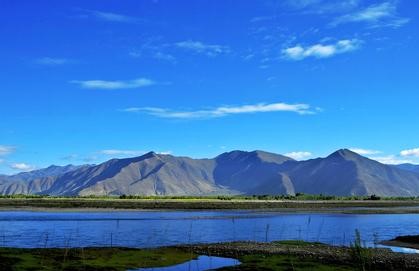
(250, 255)
(400, 244)
(300, 206)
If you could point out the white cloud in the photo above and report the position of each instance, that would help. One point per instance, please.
(378, 15)
(165, 153)
(202, 48)
(122, 152)
(5, 150)
(299, 155)
(364, 151)
(152, 53)
(392, 160)
(103, 84)
(323, 6)
(112, 17)
(22, 167)
(165, 57)
(51, 61)
(411, 152)
(261, 19)
(302, 109)
(299, 52)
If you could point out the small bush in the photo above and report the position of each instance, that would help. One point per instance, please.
(361, 255)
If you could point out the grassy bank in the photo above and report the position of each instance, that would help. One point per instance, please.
(90, 258)
(206, 203)
(287, 255)
(299, 255)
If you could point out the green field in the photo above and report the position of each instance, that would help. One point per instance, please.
(292, 203)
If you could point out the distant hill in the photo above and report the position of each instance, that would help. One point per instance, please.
(348, 173)
(409, 167)
(253, 173)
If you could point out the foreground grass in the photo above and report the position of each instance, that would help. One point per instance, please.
(95, 259)
(283, 255)
(92, 259)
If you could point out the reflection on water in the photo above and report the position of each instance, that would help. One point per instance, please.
(199, 264)
(400, 249)
(163, 228)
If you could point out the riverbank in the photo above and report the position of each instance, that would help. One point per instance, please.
(339, 206)
(409, 241)
(305, 256)
(285, 255)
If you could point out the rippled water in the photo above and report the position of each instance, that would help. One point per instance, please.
(201, 263)
(162, 228)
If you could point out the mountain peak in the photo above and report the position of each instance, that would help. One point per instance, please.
(150, 154)
(345, 154)
(256, 155)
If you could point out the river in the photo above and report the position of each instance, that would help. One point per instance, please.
(39, 229)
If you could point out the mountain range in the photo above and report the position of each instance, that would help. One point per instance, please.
(343, 173)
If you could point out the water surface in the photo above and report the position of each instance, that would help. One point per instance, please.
(29, 229)
(199, 264)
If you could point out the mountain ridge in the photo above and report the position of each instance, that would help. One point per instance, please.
(342, 173)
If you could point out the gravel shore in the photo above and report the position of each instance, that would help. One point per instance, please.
(378, 259)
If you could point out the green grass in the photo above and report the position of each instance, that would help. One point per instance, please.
(299, 201)
(93, 259)
(119, 259)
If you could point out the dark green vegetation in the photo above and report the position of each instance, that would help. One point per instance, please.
(90, 258)
(299, 202)
(283, 255)
(414, 239)
(410, 241)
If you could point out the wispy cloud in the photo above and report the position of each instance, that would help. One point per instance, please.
(154, 47)
(52, 61)
(261, 19)
(322, 6)
(299, 52)
(165, 153)
(391, 160)
(109, 16)
(362, 151)
(299, 155)
(5, 150)
(302, 109)
(410, 153)
(203, 48)
(119, 84)
(153, 53)
(122, 152)
(22, 167)
(378, 15)
(165, 57)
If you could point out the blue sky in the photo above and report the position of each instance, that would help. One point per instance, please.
(85, 81)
